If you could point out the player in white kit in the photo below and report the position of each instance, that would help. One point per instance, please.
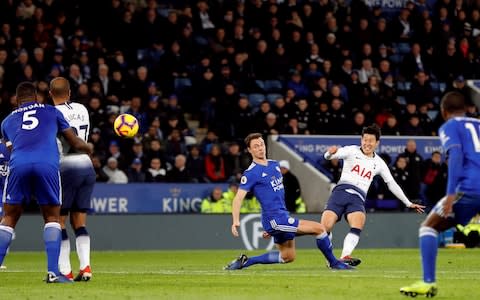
(78, 179)
(360, 165)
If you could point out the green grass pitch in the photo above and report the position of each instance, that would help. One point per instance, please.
(199, 275)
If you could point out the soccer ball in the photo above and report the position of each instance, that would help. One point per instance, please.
(126, 125)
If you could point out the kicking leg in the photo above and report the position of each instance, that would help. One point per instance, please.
(82, 241)
(356, 220)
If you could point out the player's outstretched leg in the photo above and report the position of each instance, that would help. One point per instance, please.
(420, 288)
(325, 245)
(237, 263)
(83, 251)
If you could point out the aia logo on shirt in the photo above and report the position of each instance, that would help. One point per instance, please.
(362, 172)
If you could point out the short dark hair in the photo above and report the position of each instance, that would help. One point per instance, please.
(252, 136)
(372, 129)
(453, 102)
(26, 91)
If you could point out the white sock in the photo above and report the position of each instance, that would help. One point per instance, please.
(330, 236)
(64, 258)
(83, 250)
(349, 244)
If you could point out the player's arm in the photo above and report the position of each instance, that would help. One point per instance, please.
(455, 168)
(335, 152)
(76, 142)
(397, 190)
(236, 205)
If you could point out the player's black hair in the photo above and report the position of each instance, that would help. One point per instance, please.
(252, 136)
(372, 129)
(26, 91)
(453, 102)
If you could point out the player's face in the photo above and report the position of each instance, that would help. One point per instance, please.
(369, 143)
(257, 148)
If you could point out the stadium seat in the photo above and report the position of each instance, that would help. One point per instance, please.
(260, 84)
(255, 99)
(271, 97)
(402, 100)
(273, 86)
(432, 114)
(181, 83)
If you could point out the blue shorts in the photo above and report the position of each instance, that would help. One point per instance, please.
(464, 208)
(77, 188)
(282, 227)
(345, 199)
(39, 180)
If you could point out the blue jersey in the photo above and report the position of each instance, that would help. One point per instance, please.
(462, 136)
(32, 129)
(266, 183)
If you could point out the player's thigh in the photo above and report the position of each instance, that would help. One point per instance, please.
(47, 187)
(18, 185)
(356, 219)
(465, 208)
(83, 193)
(310, 227)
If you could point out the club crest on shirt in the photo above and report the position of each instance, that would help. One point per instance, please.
(243, 180)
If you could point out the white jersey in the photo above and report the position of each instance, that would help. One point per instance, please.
(77, 116)
(358, 170)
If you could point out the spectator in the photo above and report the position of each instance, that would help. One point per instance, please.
(414, 168)
(236, 161)
(101, 176)
(215, 203)
(135, 172)
(293, 192)
(215, 164)
(155, 173)
(196, 164)
(179, 172)
(115, 175)
(435, 179)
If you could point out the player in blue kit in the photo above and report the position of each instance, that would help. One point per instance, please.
(78, 179)
(264, 179)
(460, 137)
(30, 131)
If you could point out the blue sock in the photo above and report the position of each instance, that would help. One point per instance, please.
(428, 249)
(6, 234)
(52, 236)
(325, 245)
(266, 258)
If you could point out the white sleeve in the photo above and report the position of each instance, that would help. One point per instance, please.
(341, 153)
(393, 185)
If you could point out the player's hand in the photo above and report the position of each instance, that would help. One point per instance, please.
(332, 150)
(419, 208)
(448, 205)
(266, 235)
(235, 226)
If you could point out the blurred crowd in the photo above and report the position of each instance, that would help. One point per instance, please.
(294, 67)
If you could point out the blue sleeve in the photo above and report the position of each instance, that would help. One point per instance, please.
(455, 167)
(247, 181)
(4, 133)
(61, 122)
